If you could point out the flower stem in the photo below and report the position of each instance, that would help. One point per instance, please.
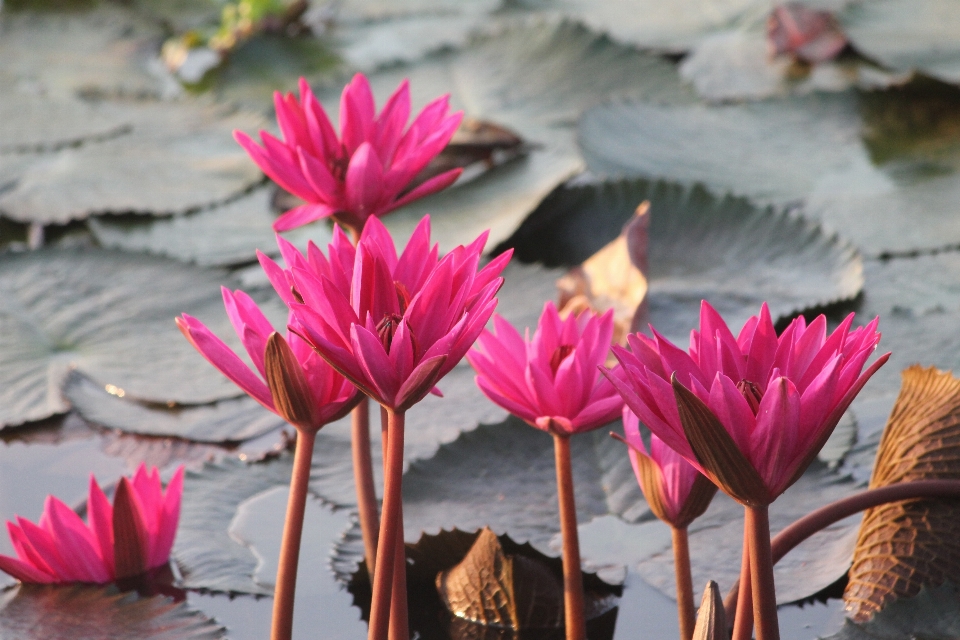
(834, 512)
(399, 625)
(283, 598)
(363, 479)
(389, 529)
(681, 566)
(743, 622)
(572, 579)
(757, 528)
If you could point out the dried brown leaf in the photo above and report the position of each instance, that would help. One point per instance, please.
(906, 545)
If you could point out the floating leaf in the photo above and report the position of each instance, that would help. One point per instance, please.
(136, 172)
(908, 35)
(30, 123)
(906, 545)
(232, 420)
(933, 614)
(724, 250)
(97, 613)
(110, 316)
(503, 476)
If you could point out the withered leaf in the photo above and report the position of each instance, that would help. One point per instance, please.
(906, 545)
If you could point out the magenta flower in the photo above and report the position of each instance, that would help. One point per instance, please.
(393, 325)
(331, 395)
(676, 492)
(769, 402)
(124, 540)
(367, 170)
(552, 382)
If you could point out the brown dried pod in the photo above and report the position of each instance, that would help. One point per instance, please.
(905, 545)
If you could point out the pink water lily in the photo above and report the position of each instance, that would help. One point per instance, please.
(130, 537)
(676, 492)
(331, 395)
(395, 324)
(550, 381)
(777, 398)
(367, 170)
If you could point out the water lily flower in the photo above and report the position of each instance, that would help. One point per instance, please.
(126, 539)
(550, 381)
(367, 170)
(330, 395)
(396, 324)
(771, 402)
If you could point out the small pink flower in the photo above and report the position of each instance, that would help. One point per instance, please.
(393, 325)
(331, 395)
(676, 492)
(774, 401)
(367, 170)
(132, 536)
(552, 382)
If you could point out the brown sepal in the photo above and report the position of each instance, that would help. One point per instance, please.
(288, 386)
(716, 451)
(903, 546)
(711, 619)
(129, 533)
(651, 482)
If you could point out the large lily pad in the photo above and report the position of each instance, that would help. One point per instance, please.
(535, 79)
(96, 613)
(922, 35)
(110, 316)
(725, 250)
(177, 157)
(933, 614)
(32, 123)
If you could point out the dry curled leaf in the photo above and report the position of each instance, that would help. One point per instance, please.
(905, 545)
(615, 277)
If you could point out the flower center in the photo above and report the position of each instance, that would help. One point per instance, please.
(559, 355)
(339, 165)
(751, 392)
(387, 328)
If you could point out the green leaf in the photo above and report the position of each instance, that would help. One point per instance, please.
(725, 250)
(933, 614)
(110, 316)
(97, 613)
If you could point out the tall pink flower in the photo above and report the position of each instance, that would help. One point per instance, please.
(752, 411)
(396, 324)
(366, 172)
(130, 537)
(331, 395)
(550, 381)
(676, 492)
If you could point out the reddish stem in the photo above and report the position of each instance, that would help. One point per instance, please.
(681, 567)
(756, 526)
(743, 623)
(399, 624)
(281, 627)
(834, 512)
(363, 479)
(389, 529)
(572, 578)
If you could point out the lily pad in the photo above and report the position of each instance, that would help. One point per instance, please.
(907, 35)
(227, 421)
(110, 316)
(96, 613)
(177, 157)
(933, 614)
(725, 250)
(535, 79)
(503, 476)
(32, 123)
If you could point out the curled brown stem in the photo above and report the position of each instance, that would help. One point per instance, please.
(574, 621)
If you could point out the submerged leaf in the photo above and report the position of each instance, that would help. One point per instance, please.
(97, 613)
(906, 545)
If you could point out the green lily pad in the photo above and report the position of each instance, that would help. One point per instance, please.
(908, 35)
(232, 420)
(933, 614)
(110, 316)
(97, 613)
(534, 79)
(32, 123)
(177, 157)
(725, 250)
